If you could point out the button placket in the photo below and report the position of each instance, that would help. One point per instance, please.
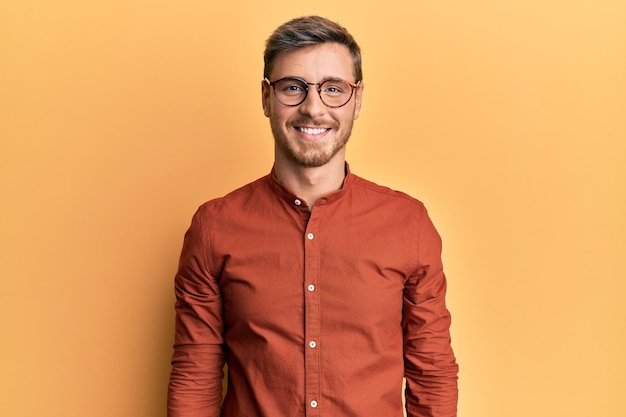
(312, 365)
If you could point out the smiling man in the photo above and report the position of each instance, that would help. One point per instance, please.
(320, 290)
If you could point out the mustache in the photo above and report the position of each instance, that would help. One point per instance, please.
(305, 121)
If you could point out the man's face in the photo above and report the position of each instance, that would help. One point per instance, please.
(311, 134)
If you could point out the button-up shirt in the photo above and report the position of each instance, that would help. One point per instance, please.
(317, 312)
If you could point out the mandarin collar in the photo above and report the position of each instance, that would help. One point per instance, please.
(285, 194)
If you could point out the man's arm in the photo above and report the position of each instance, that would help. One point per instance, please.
(195, 386)
(429, 364)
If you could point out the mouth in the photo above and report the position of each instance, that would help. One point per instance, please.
(312, 131)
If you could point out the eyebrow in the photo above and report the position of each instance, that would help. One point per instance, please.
(324, 79)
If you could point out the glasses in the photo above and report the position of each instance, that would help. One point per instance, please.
(292, 91)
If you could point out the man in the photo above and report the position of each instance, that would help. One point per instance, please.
(320, 290)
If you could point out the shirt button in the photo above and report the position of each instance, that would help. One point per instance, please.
(313, 403)
(297, 202)
(310, 236)
(312, 344)
(311, 287)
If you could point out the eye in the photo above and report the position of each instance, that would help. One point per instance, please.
(290, 87)
(335, 87)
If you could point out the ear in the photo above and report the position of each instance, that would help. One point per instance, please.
(266, 91)
(358, 99)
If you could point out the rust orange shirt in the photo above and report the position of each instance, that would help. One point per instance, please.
(316, 313)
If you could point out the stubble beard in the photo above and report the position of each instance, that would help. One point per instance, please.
(309, 155)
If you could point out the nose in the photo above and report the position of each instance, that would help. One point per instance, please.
(312, 105)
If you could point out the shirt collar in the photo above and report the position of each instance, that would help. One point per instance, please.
(285, 194)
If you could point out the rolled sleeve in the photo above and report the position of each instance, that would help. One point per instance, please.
(430, 366)
(195, 386)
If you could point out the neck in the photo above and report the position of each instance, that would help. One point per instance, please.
(313, 183)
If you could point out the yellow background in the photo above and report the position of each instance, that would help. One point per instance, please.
(507, 118)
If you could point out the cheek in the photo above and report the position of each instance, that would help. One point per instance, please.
(277, 120)
(282, 115)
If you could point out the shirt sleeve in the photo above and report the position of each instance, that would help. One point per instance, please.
(430, 366)
(195, 386)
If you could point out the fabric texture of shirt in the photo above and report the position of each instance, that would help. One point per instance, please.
(316, 312)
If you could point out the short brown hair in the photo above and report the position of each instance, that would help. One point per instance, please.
(307, 31)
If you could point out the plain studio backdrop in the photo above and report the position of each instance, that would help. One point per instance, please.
(506, 118)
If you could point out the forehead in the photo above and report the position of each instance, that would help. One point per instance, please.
(315, 63)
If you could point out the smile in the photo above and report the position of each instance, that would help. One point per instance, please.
(312, 130)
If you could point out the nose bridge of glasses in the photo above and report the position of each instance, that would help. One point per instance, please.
(318, 88)
(319, 85)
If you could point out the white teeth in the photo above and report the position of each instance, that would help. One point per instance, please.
(311, 131)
